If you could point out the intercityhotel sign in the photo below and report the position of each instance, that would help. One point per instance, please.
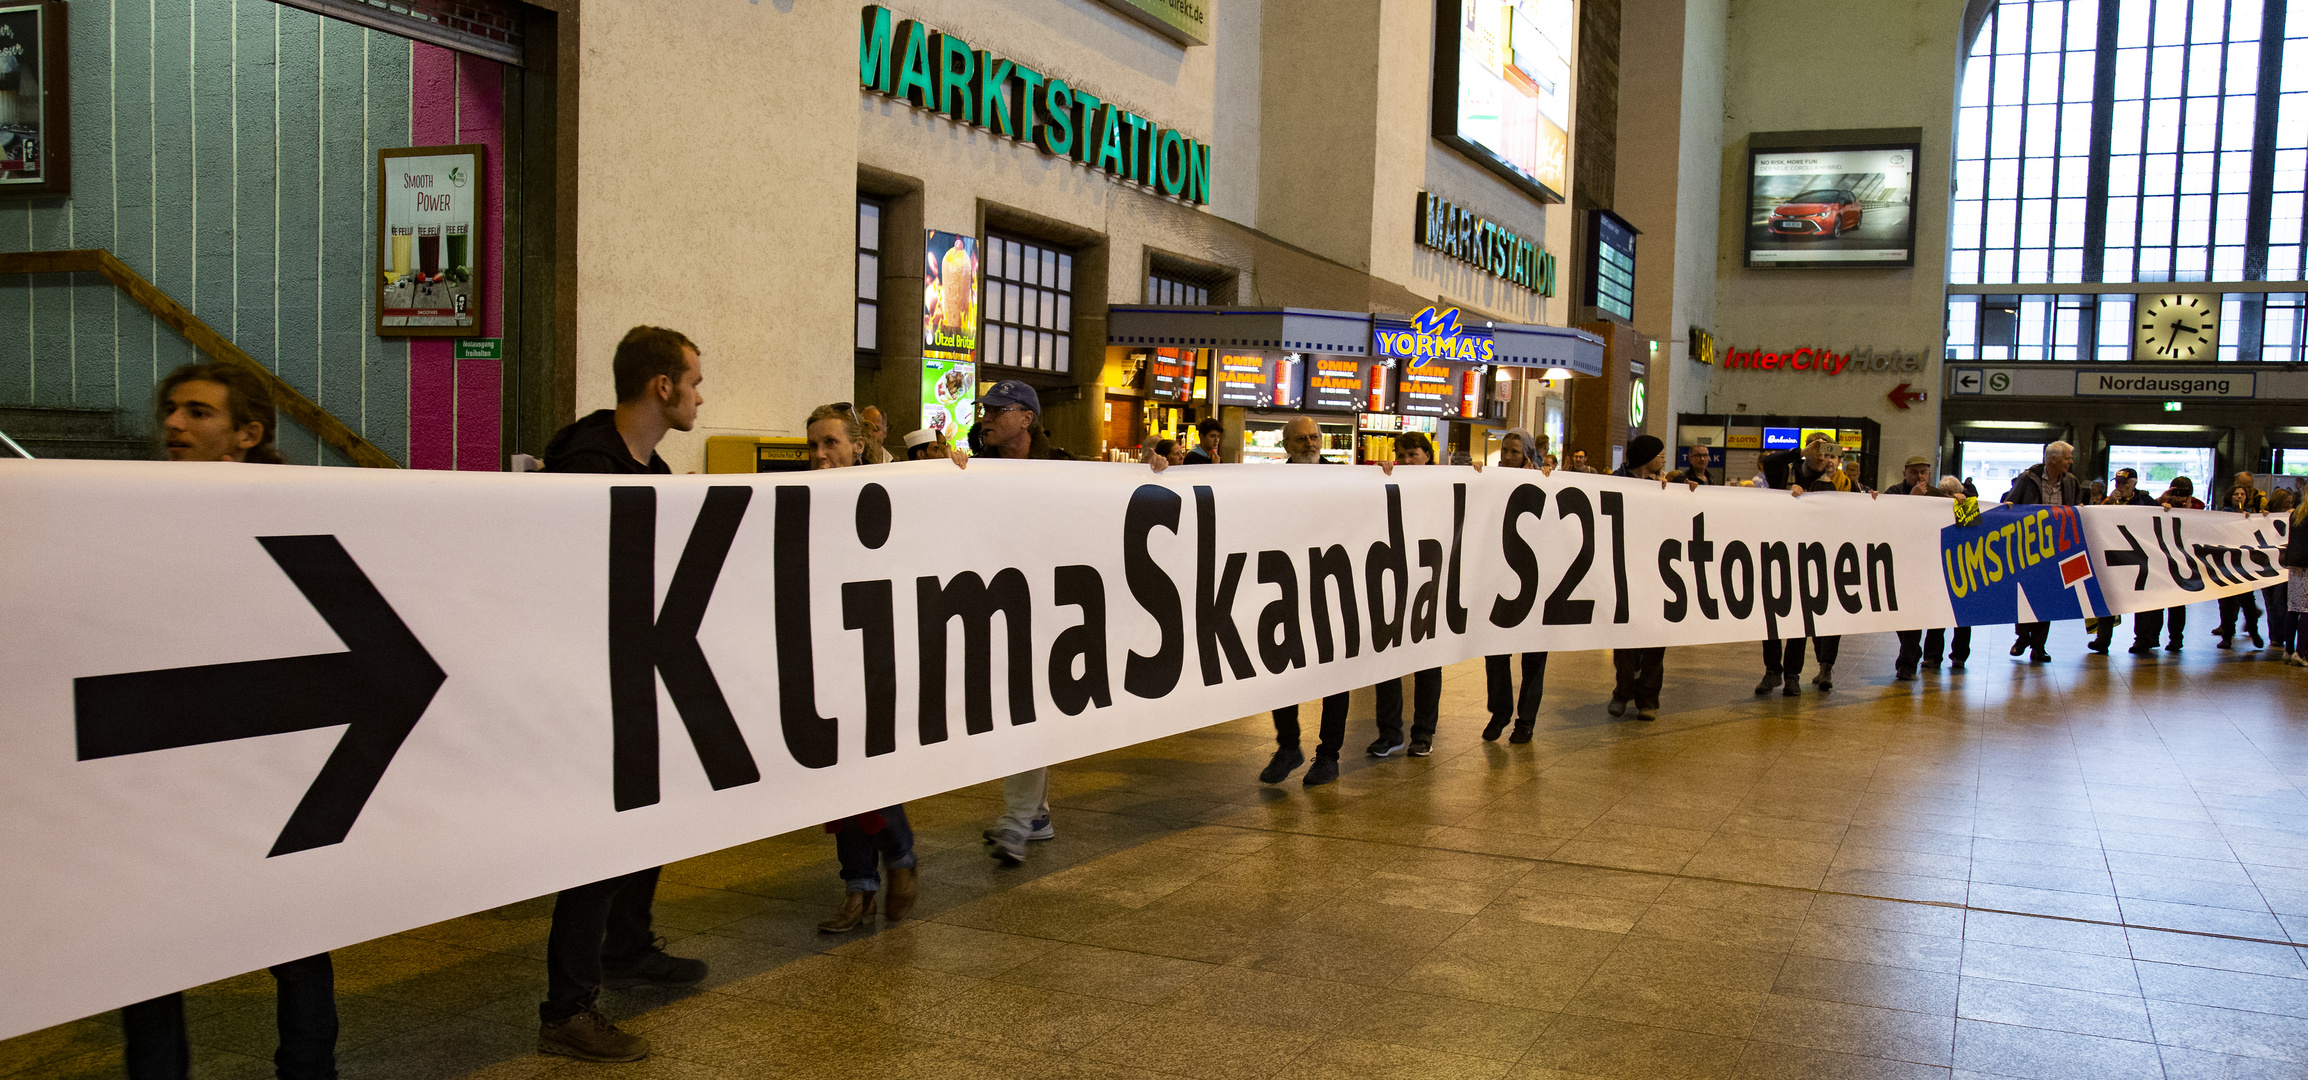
(937, 71)
(1479, 242)
(1823, 361)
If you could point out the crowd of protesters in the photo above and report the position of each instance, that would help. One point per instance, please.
(602, 933)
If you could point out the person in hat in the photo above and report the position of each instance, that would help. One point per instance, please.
(1915, 477)
(922, 444)
(1641, 671)
(1814, 468)
(1924, 647)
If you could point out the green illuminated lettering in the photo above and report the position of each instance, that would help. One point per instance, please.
(994, 93)
(1172, 159)
(1110, 142)
(1088, 135)
(913, 82)
(873, 48)
(1057, 134)
(1197, 172)
(954, 83)
(1029, 101)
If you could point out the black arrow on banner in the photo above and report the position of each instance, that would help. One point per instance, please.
(2137, 556)
(376, 690)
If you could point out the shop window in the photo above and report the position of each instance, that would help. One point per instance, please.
(869, 275)
(1029, 305)
(1170, 291)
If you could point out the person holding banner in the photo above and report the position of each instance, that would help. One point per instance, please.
(2127, 493)
(1009, 427)
(1302, 441)
(1642, 671)
(602, 933)
(222, 412)
(1410, 448)
(1814, 468)
(2052, 483)
(1515, 449)
(2147, 626)
(2243, 498)
(2295, 560)
(864, 842)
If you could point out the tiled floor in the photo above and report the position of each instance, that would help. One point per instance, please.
(2091, 869)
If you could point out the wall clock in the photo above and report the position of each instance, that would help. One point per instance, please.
(2176, 326)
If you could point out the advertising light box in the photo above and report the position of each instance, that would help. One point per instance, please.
(1780, 438)
(1502, 92)
(1243, 379)
(1167, 375)
(1426, 388)
(1336, 383)
(1828, 204)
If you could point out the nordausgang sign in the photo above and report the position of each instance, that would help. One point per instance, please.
(943, 73)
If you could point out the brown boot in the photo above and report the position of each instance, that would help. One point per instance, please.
(857, 908)
(901, 885)
(589, 1036)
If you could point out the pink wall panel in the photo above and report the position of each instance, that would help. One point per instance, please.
(432, 404)
(456, 406)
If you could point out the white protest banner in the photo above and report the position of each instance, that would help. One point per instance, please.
(256, 713)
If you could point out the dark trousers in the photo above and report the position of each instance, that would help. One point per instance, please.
(2033, 635)
(605, 924)
(1333, 730)
(2283, 622)
(1786, 657)
(1504, 703)
(2245, 602)
(1928, 645)
(306, 1005)
(864, 842)
(1426, 688)
(2147, 626)
(1640, 673)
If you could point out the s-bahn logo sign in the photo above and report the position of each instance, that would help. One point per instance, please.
(933, 70)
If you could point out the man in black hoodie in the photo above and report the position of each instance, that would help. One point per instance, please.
(2052, 483)
(601, 932)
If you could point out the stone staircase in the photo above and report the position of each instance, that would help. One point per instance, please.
(89, 434)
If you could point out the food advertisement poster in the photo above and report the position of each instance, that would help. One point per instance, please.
(950, 298)
(1335, 383)
(1836, 206)
(428, 240)
(1169, 375)
(1427, 388)
(1503, 89)
(949, 398)
(32, 86)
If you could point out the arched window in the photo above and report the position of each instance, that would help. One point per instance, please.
(2102, 144)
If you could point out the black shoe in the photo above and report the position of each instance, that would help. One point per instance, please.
(2018, 647)
(1646, 712)
(1794, 687)
(1933, 665)
(2174, 646)
(656, 969)
(1421, 747)
(1618, 706)
(1323, 771)
(1956, 666)
(2257, 641)
(1491, 730)
(2142, 647)
(1826, 679)
(2039, 657)
(1904, 676)
(1384, 746)
(1522, 734)
(1771, 681)
(2228, 642)
(1280, 767)
(2100, 647)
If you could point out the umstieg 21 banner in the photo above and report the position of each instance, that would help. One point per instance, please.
(256, 713)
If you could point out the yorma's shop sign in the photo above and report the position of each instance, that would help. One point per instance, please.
(943, 73)
(1819, 361)
(1433, 334)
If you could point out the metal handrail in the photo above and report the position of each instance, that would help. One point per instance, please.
(288, 399)
(16, 446)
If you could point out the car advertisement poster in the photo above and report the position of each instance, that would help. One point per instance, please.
(1503, 89)
(428, 226)
(1834, 207)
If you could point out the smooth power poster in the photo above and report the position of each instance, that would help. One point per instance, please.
(428, 232)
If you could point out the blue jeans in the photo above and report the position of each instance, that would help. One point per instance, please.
(307, 1010)
(863, 848)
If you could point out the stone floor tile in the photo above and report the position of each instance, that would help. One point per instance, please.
(1109, 973)
(1774, 1061)
(2113, 1016)
(961, 950)
(2198, 919)
(2004, 1050)
(1197, 1045)
(2231, 1031)
(2041, 933)
(2049, 967)
(1361, 1058)
(2197, 950)
(1453, 1026)
(1716, 927)
(1586, 1045)
(1861, 1030)
(1884, 948)
(1929, 992)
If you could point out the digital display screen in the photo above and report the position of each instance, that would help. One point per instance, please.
(1611, 265)
(1335, 383)
(1243, 379)
(1831, 206)
(1502, 90)
(1427, 388)
(1780, 438)
(1168, 375)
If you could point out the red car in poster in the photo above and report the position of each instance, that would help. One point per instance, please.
(1818, 212)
